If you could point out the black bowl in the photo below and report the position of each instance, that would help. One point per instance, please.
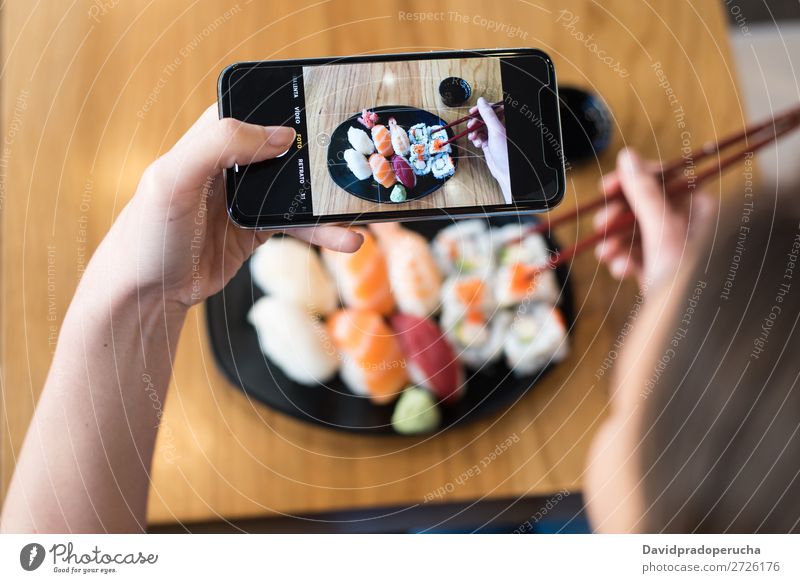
(235, 345)
(368, 189)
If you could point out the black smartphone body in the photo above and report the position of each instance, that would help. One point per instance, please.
(375, 141)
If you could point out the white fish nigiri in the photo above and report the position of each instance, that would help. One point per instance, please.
(291, 270)
(415, 278)
(360, 141)
(294, 340)
(357, 163)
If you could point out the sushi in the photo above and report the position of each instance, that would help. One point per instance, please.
(536, 338)
(420, 167)
(413, 274)
(372, 362)
(357, 164)
(418, 152)
(291, 270)
(523, 272)
(477, 340)
(437, 133)
(368, 118)
(382, 171)
(293, 340)
(400, 141)
(432, 362)
(464, 248)
(360, 141)
(418, 134)
(442, 166)
(404, 172)
(382, 139)
(362, 277)
(439, 146)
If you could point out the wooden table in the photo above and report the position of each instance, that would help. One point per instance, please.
(94, 91)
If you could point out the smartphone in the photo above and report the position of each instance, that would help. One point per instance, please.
(383, 137)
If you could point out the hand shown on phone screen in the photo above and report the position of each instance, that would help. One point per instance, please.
(491, 138)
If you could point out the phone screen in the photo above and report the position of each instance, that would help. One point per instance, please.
(373, 139)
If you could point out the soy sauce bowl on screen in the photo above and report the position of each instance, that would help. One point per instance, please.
(585, 124)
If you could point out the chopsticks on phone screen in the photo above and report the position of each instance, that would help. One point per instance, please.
(498, 107)
(750, 140)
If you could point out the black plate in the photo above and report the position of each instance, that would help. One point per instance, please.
(235, 346)
(368, 189)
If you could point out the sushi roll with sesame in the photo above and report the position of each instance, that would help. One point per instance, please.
(442, 166)
(418, 134)
(420, 166)
(464, 248)
(536, 339)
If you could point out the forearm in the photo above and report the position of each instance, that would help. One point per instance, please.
(85, 463)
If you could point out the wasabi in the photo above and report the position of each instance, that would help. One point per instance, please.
(398, 193)
(416, 412)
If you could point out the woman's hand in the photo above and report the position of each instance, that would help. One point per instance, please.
(491, 138)
(176, 229)
(654, 250)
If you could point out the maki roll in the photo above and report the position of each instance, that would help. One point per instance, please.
(477, 341)
(464, 248)
(420, 167)
(523, 272)
(357, 164)
(418, 134)
(400, 141)
(442, 166)
(536, 338)
(360, 141)
(439, 146)
(418, 152)
(437, 133)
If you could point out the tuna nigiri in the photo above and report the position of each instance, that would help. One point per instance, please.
(403, 171)
(381, 170)
(382, 139)
(400, 141)
(362, 277)
(373, 363)
(413, 273)
(432, 362)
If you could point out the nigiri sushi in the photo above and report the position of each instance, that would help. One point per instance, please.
(294, 341)
(362, 277)
(432, 363)
(360, 141)
(368, 118)
(464, 248)
(536, 338)
(382, 139)
(413, 273)
(403, 171)
(382, 171)
(291, 270)
(400, 141)
(372, 363)
(357, 164)
(523, 272)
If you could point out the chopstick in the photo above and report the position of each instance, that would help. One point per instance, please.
(669, 174)
(496, 106)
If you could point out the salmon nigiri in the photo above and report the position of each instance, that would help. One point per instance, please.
(382, 171)
(362, 277)
(415, 278)
(372, 362)
(383, 140)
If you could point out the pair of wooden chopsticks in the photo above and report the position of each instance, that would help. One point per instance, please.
(675, 179)
(498, 107)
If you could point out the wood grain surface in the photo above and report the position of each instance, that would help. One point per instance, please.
(336, 92)
(92, 92)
